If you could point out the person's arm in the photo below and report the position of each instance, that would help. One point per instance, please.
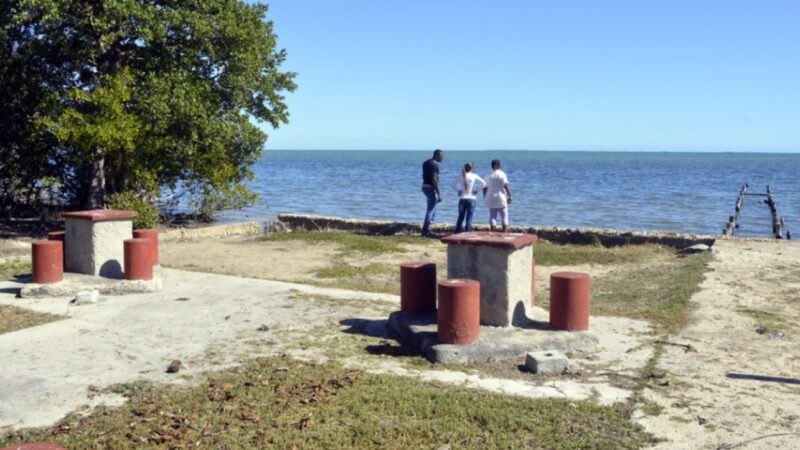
(508, 190)
(482, 183)
(435, 180)
(457, 183)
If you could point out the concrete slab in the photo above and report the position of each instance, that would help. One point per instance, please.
(207, 321)
(77, 282)
(494, 342)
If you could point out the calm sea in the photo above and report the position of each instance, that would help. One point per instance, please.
(678, 192)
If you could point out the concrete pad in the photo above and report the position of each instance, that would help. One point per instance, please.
(546, 362)
(207, 321)
(73, 283)
(494, 342)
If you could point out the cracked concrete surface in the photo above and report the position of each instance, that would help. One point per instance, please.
(211, 322)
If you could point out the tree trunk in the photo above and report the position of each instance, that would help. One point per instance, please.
(96, 192)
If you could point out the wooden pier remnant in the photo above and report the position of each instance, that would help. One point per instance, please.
(779, 230)
(731, 225)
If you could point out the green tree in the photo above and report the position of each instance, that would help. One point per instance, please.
(140, 96)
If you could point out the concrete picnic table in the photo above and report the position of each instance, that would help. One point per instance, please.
(94, 241)
(503, 264)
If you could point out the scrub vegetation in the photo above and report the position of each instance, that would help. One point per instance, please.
(156, 100)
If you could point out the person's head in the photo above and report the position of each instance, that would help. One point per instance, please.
(495, 164)
(468, 167)
(438, 155)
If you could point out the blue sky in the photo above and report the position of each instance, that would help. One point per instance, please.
(541, 75)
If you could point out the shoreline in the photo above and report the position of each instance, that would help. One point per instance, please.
(562, 235)
(607, 237)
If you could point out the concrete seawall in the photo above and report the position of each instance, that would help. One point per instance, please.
(601, 236)
(215, 231)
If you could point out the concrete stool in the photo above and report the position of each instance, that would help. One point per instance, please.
(418, 287)
(34, 446)
(459, 316)
(48, 261)
(56, 236)
(138, 259)
(152, 236)
(569, 301)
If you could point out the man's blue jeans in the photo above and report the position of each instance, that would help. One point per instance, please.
(466, 208)
(430, 213)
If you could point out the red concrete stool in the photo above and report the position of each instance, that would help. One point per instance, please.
(418, 287)
(533, 281)
(151, 235)
(459, 316)
(34, 446)
(569, 301)
(48, 261)
(138, 259)
(56, 236)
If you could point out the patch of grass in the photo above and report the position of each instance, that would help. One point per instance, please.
(337, 302)
(13, 318)
(772, 321)
(281, 403)
(11, 269)
(550, 254)
(659, 293)
(342, 270)
(652, 409)
(384, 278)
(349, 242)
(642, 381)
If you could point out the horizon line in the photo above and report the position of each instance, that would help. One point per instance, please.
(761, 152)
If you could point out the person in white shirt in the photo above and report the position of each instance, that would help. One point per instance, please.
(497, 195)
(467, 185)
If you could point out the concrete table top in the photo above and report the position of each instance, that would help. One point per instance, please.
(512, 241)
(99, 215)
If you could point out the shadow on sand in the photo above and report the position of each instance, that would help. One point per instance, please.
(752, 377)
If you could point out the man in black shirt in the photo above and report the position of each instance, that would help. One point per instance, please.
(430, 187)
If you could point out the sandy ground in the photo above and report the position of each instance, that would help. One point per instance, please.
(292, 261)
(739, 389)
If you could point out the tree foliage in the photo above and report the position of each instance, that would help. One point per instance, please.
(101, 97)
